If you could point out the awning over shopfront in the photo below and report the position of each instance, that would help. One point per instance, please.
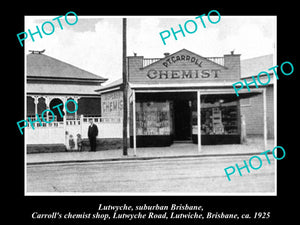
(201, 95)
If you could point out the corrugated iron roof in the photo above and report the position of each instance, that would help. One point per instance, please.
(44, 66)
(114, 84)
(253, 66)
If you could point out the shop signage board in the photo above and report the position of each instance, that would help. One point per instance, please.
(112, 104)
(183, 67)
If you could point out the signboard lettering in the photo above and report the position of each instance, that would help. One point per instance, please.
(183, 74)
(112, 104)
(185, 58)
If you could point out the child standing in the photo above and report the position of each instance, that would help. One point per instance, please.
(79, 142)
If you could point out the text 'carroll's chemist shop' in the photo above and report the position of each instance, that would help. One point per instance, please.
(190, 26)
(47, 28)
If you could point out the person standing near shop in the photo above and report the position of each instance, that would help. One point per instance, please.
(92, 134)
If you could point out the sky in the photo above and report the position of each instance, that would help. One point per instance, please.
(94, 43)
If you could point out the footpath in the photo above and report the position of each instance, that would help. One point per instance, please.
(178, 150)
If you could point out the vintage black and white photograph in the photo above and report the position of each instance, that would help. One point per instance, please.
(150, 105)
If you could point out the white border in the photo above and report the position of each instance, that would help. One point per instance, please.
(26, 193)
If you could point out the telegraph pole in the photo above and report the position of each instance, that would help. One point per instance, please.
(125, 90)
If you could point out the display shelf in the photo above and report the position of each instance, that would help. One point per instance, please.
(153, 118)
(217, 120)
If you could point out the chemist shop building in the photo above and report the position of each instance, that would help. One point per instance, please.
(177, 97)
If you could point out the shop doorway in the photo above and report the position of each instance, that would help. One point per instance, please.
(182, 120)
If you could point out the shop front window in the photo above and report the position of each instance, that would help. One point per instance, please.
(218, 117)
(153, 118)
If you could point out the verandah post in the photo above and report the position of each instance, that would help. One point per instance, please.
(125, 90)
(199, 120)
(134, 121)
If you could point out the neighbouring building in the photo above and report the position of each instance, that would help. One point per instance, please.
(252, 108)
(50, 82)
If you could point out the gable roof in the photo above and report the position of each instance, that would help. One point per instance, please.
(43, 66)
(184, 51)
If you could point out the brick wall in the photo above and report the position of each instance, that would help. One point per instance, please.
(233, 63)
(135, 63)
